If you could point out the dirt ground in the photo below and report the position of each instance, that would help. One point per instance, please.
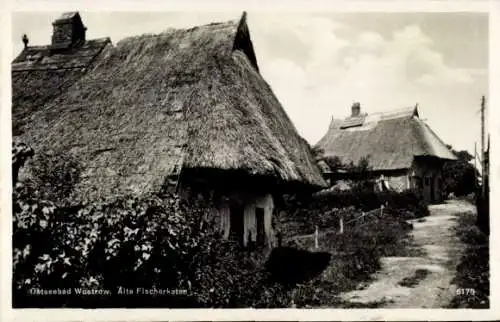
(425, 281)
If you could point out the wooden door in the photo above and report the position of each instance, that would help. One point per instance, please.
(236, 226)
(433, 189)
(261, 231)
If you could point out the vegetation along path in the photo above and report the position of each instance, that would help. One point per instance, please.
(425, 281)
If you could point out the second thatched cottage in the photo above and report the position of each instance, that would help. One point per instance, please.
(185, 107)
(400, 148)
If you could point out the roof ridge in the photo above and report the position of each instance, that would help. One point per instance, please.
(395, 111)
(398, 112)
(228, 23)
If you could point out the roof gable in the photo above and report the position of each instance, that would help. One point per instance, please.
(243, 42)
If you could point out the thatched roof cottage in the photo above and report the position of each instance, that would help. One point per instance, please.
(401, 149)
(185, 108)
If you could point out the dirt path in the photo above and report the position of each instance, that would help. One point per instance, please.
(426, 280)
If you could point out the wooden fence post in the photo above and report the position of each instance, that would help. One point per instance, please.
(341, 224)
(316, 233)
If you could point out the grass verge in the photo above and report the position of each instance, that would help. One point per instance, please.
(473, 278)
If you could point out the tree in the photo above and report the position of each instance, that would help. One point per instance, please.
(459, 176)
(363, 181)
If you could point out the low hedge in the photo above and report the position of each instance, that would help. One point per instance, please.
(368, 200)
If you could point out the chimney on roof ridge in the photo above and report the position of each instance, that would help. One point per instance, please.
(68, 31)
(355, 109)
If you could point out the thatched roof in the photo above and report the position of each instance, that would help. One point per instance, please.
(390, 140)
(40, 74)
(129, 119)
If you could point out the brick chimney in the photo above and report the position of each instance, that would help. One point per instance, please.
(355, 109)
(68, 31)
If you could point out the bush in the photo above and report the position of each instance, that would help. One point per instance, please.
(290, 266)
(460, 176)
(149, 242)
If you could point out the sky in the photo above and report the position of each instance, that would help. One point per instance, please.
(318, 64)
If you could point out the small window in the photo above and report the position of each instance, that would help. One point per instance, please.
(427, 181)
